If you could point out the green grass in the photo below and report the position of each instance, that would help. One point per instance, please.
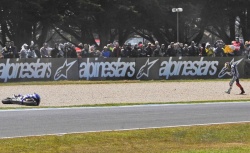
(123, 104)
(228, 138)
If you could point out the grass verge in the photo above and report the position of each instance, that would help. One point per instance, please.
(228, 138)
(123, 104)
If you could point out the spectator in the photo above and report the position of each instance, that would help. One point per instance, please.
(117, 51)
(37, 51)
(156, 52)
(209, 50)
(31, 52)
(157, 44)
(72, 53)
(192, 49)
(45, 51)
(24, 51)
(106, 52)
(93, 52)
(61, 50)
(218, 52)
(149, 50)
(84, 50)
(203, 49)
(7, 51)
(142, 52)
(171, 50)
(127, 51)
(178, 48)
(135, 52)
(163, 50)
(55, 51)
(110, 48)
(185, 50)
(14, 49)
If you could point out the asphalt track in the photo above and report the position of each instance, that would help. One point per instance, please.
(32, 122)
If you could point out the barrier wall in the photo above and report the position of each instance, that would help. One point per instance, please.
(44, 69)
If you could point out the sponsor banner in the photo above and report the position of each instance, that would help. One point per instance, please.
(239, 60)
(188, 68)
(147, 68)
(153, 68)
(24, 70)
(247, 68)
(106, 68)
(196, 67)
(64, 69)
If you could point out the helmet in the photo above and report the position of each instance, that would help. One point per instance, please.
(37, 98)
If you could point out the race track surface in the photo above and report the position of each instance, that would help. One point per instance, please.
(31, 122)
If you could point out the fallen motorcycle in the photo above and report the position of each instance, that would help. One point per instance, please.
(29, 100)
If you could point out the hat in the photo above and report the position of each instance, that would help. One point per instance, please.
(105, 47)
(208, 44)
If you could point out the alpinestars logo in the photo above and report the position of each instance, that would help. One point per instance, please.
(224, 69)
(62, 72)
(144, 70)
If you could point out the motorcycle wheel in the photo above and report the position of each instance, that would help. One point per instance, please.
(7, 101)
(30, 102)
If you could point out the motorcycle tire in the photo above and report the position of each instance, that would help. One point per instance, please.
(30, 102)
(7, 101)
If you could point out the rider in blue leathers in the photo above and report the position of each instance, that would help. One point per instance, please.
(233, 72)
(22, 98)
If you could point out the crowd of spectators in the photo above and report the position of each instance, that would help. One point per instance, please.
(68, 50)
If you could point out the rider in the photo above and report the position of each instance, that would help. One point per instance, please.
(233, 72)
(24, 97)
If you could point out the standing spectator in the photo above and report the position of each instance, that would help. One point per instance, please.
(45, 51)
(93, 52)
(24, 51)
(106, 52)
(171, 50)
(157, 44)
(73, 53)
(178, 48)
(117, 51)
(7, 51)
(184, 50)
(149, 50)
(192, 49)
(37, 51)
(203, 49)
(163, 50)
(156, 52)
(135, 52)
(55, 51)
(110, 48)
(219, 49)
(31, 52)
(85, 50)
(127, 51)
(142, 52)
(209, 50)
(61, 50)
(14, 49)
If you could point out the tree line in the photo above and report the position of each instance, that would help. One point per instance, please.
(83, 20)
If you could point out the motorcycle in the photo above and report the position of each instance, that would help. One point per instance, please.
(29, 100)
